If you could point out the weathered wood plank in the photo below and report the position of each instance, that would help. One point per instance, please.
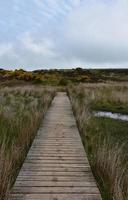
(54, 183)
(56, 167)
(55, 197)
(48, 161)
(53, 190)
(55, 173)
(58, 178)
(55, 157)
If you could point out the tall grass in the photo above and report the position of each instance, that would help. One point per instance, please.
(105, 140)
(21, 111)
(110, 97)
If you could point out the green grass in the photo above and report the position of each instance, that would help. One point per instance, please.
(111, 98)
(109, 106)
(107, 131)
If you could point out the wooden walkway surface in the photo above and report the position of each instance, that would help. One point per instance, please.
(56, 167)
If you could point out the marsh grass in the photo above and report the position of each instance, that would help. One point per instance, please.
(105, 140)
(21, 112)
(108, 97)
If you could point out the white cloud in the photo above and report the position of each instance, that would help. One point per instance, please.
(8, 56)
(98, 32)
(44, 46)
(56, 9)
(6, 48)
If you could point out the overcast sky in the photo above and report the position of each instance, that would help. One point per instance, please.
(37, 34)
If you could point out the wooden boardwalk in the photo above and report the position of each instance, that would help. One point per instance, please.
(56, 167)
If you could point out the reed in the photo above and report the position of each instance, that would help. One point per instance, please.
(21, 112)
(105, 140)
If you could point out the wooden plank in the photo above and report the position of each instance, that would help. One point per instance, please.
(56, 167)
(58, 178)
(56, 157)
(56, 197)
(55, 173)
(69, 154)
(48, 161)
(53, 190)
(60, 155)
(54, 183)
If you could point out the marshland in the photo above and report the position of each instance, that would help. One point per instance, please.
(105, 139)
(23, 106)
(21, 112)
(63, 99)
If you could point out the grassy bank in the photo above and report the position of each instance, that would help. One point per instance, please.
(21, 112)
(105, 139)
(108, 97)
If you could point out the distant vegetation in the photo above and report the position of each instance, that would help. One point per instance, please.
(105, 139)
(61, 77)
